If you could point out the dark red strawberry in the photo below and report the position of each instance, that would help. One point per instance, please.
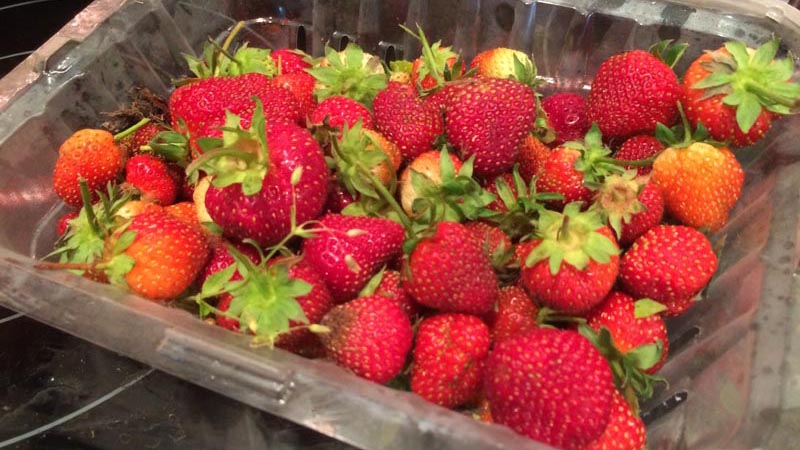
(566, 114)
(639, 147)
(315, 305)
(151, 178)
(449, 355)
(301, 85)
(412, 124)
(391, 287)
(514, 314)
(289, 61)
(342, 110)
(371, 336)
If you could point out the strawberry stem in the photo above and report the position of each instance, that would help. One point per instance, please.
(127, 132)
(223, 51)
(765, 93)
(86, 197)
(632, 162)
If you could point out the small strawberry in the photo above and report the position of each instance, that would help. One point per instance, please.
(339, 111)
(289, 61)
(566, 114)
(151, 179)
(625, 430)
(449, 271)
(736, 92)
(449, 356)
(347, 251)
(370, 336)
(532, 155)
(571, 263)
(220, 259)
(494, 242)
(92, 155)
(406, 120)
(514, 314)
(550, 385)
(630, 204)
(639, 147)
(668, 263)
(357, 150)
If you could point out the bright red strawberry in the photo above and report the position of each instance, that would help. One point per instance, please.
(87, 154)
(559, 175)
(625, 430)
(737, 92)
(406, 120)
(63, 222)
(653, 201)
(494, 242)
(532, 156)
(632, 93)
(572, 263)
(566, 113)
(631, 325)
(514, 314)
(348, 250)
(550, 385)
(668, 263)
(301, 85)
(487, 118)
(342, 110)
(132, 143)
(449, 271)
(151, 179)
(449, 356)
(642, 146)
(391, 287)
(289, 61)
(631, 205)
(162, 259)
(371, 336)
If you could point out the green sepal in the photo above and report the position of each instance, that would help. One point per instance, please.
(522, 204)
(172, 146)
(668, 53)
(349, 76)
(434, 61)
(594, 161)
(372, 284)
(646, 307)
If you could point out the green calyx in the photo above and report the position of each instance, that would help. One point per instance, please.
(751, 81)
(668, 53)
(523, 205)
(434, 62)
(594, 161)
(264, 299)
(240, 157)
(218, 61)
(351, 73)
(571, 237)
(617, 199)
(679, 136)
(352, 154)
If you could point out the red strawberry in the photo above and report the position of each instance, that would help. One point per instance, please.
(301, 85)
(572, 263)
(406, 120)
(514, 314)
(289, 61)
(566, 113)
(132, 143)
(348, 250)
(737, 92)
(338, 197)
(488, 118)
(449, 355)
(532, 156)
(632, 93)
(63, 222)
(163, 256)
(668, 263)
(186, 212)
(494, 242)
(631, 204)
(450, 272)
(87, 154)
(642, 146)
(152, 179)
(550, 385)
(559, 175)
(625, 430)
(391, 287)
(370, 335)
(342, 110)
(429, 71)
(653, 201)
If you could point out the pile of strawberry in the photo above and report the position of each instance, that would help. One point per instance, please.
(433, 225)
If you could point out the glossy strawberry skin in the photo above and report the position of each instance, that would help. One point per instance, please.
(88, 154)
(151, 177)
(371, 336)
(625, 431)
(638, 147)
(558, 175)
(650, 196)
(449, 355)
(532, 156)
(566, 113)
(342, 110)
(632, 93)
(550, 385)
(449, 271)
(301, 85)
(348, 250)
(288, 61)
(391, 287)
(514, 314)
(412, 124)
(265, 216)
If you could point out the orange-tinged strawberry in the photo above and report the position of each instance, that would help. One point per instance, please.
(503, 62)
(88, 154)
(427, 165)
(186, 212)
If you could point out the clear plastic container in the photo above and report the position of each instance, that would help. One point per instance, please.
(734, 368)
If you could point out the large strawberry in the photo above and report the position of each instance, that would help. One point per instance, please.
(406, 120)
(737, 92)
(449, 355)
(347, 251)
(91, 155)
(571, 263)
(487, 118)
(550, 385)
(370, 336)
(261, 177)
(633, 92)
(450, 272)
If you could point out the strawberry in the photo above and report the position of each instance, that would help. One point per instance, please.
(428, 165)
(391, 287)
(634, 91)
(339, 197)
(625, 430)
(151, 179)
(350, 73)
(131, 144)
(435, 66)
(532, 155)
(449, 271)
(653, 201)
(371, 336)
(700, 182)
(492, 186)
(340, 110)
(494, 242)
(133, 208)
(514, 314)
(406, 120)
(219, 260)
(357, 150)
(348, 250)
(630, 204)
(449, 355)
(87, 154)
(550, 385)
(301, 85)
(289, 61)
(668, 263)
(571, 263)
(488, 118)
(64, 221)
(642, 146)
(261, 177)
(502, 62)
(566, 114)
(157, 256)
(736, 92)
